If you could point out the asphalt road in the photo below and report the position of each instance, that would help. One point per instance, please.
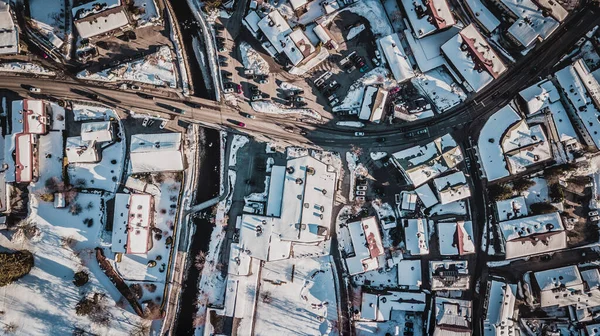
(464, 119)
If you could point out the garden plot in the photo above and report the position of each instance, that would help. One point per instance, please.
(155, 69)
(147, 13)
(298, 295)
(62, 241)
(106, 174)
(134, 267)
(49, 19)
(440, 88)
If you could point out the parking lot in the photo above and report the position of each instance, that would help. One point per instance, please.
(322, 88)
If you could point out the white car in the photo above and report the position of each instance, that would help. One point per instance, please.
(163, 124)
(595, 218)
(361, 187)
(360, 198)
(34, 89)
(593, 213)
(334, 102)
(359, 134)
(360, 193)
(228, 90)
(145, 122)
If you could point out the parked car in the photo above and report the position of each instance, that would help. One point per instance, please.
(397, 198)
(332, 97)
(593, 213)
(301, 104)
(228, 90)
(361, 187)
(298, 99)
(145, 122)
(297, 92)
(145, 96)
(334, 102)
(360, 193)
(359, 134)
(248, 72)
(360, 199)
(34, 89)
(238, 123)
(135, 87)
(192, 104)
(163, 124)
(364, 68)
(247, 115)
(254, 88)
(289, 129)
(595, 218)
(239, 89)
(263, 79)
(256, 97)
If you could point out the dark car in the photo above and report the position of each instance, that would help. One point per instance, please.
(237, 123)
(297, 92)
(145, 96)
(381, 139)
(247, 115)
(222, 58)
(192, 104)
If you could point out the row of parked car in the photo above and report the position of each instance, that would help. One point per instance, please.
(328, 88)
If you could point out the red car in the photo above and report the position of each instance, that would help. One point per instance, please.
(241, 124)
(239, 89)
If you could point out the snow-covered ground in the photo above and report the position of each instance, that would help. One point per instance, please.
(23, 67)
(355, 95)
(589, 55)
(441, 89)
(49, 19)
(155, 69)
(350, 124)
(354, 31)
(373, 11)
(83, 112)
(270, 107)
(537, 193)
(238, 142)
(252, 60)
(148, 13)
(454, 208)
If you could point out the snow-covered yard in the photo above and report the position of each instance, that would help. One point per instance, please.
(49, 18)
(43, 302)
(148, 13)
(238, 142)
(155, 69)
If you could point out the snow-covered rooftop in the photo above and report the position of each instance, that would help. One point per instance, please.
(419, 164)
(589, 115)
(531, 21)
(456, 238)
(277, 31)
(409, 274)
(483, 15)
(489, 149)
(156, 152)
(367, 103)
(525, 146)
(500, 309)
(305, 212)
(539, 96)
(367, 244)
(132, 222)
(378, 307)
(79, 150)
(452, 187)
(120, 219)
(99, 131)
(409, 200)
(426, 17)
(9, 34)
(427, 50)
(453, 317)
(93, 7)
(100, 22)
(533, 235)
(396, 57)
(302, 42)
(296, 4)
(416, 236)
(473, 57)
(449, 274)
(511, 208)
(426, 195)
(252, 20)
(570, 286)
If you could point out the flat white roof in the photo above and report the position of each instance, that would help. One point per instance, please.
(239, 261)
(297, 3)
(156, 152)
(489, 149)
(557, 11)
(367, 103)
(9, 34)
(409, 200)
(533, 235)
(453, 317)
(416, 236)
(93, 7)
(409, 274)
(452, 187)
(483, 15)
(275, 196)
(500, 309)
(24, 159)
(536, 148)
(302, 42)
(511, 208)
(426, 17)
(531, 21)
(426, 195)
(253, 19)
(521, 135)
(427, 50)
(367, 244)
(456, 238)
(277, 30)
(563, 124)
(473, 57)
(139, 223)
(99, 131)
(590, 116)
(396, 58)
(540, 96)
(379, 307)
(120, 218)
(80, 151)
(102, 25)
(567, 276)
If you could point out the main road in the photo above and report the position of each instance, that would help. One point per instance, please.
(539, 62)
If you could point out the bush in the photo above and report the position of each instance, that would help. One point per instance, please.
(556, 171)
(81, 278)
(522, 184)
(14, 266)
(93, 308)
(75, 209)
(499, 192)
(137, 290)
(556, 193)
(542, 208)
(48, 197)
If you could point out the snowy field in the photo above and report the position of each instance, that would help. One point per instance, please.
(49, 18)
(298, 295)
(155, 69)
(252, 60)
(43, 302)
(22, 67)
(441, 89)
